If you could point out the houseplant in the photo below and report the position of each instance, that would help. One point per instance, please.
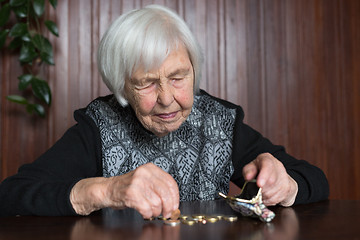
(22, 25)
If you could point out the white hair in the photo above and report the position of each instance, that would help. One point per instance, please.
(144, 38)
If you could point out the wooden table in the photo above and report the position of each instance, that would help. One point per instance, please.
(334, 219)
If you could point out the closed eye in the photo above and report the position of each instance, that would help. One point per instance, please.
(177, 82)
(147, 87)
(149, 84)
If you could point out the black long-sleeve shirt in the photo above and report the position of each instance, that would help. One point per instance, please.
(43, 187)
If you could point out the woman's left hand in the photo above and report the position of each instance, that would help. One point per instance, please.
(278, 187)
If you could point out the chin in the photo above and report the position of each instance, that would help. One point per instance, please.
(166, 131)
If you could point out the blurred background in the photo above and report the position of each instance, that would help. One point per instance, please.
(293, 65)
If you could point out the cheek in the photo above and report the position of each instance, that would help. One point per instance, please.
(145, 104)
(142, 104)
(186, 98)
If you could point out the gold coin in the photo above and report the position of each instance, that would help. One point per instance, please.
(172, 222)
(183, 217)
(212, 219)
(189, 222)
(175, 214)
(220, 216)
(231, 218)
(198, 216)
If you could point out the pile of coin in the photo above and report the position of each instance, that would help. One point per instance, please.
(204, 219)
(177, 218)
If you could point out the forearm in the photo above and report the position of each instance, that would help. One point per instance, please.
(312, 182)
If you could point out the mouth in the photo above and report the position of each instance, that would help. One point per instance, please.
(166, 116)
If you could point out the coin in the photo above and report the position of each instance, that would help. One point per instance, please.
(172, 222)
(175, 214)
(220, 216)
(211, 219)
(183, 217)
(198, 216)
(189, 222)
(230, 218)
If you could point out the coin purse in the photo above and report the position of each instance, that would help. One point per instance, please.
(249, 202)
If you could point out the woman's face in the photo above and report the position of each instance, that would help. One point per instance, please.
(162, 98)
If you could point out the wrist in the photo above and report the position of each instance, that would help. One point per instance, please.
(292, 193)
(87, 195)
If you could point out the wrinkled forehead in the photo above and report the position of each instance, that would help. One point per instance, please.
(153, 56)
(177, 63)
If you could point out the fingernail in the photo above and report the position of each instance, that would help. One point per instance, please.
(260, 182)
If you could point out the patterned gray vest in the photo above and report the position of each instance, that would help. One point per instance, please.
(197, 155)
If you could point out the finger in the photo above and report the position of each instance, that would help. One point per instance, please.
(139, 193)
(166, 188)
(164, 194)
(269, 202)
(267, 174)
(272, 197)
(144, 207)
(168, 191)
(250, 171)
(155, 202)
(174, 193)
(157, 188)
(138, 198)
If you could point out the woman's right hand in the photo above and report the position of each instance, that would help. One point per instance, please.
(148, 189)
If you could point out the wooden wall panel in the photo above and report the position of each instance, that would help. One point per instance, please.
(293, 66)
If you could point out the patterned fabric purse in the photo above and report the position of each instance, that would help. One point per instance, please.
(249, 202)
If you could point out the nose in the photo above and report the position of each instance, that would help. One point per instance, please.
(165, 94)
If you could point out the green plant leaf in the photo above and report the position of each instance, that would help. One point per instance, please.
(25, 80)
(26, 37)
(17, 99)
(52, 27)
(53, 3)
(49, 59)
(4, 14)
(15, 43)
(21, 11)
(16, 3)
(41, 90)
(3, 34)
(39, 7)
(43, 45)
(47, 47)
(27, 53)
(38, 40)
(39, 109)
(18, 30)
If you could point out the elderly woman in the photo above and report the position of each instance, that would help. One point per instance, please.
(158, 139)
